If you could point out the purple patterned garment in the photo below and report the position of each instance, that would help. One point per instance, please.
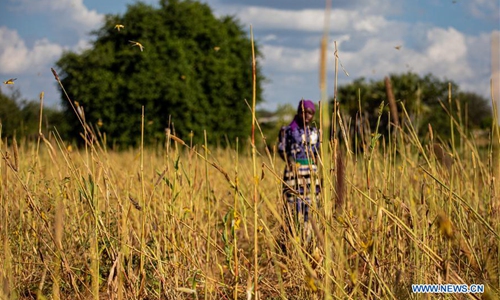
(295, 141)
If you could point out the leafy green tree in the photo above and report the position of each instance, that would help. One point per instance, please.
(426, 100)
(21, 117)
(9, 115)
(52, 120)
(475, 110)
(194, 74)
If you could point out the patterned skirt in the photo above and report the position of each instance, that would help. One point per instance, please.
(301, 186)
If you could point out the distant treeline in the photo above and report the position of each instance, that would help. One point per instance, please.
(20, 118)
(426, 101)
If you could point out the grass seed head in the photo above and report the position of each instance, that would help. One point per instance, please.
(310, 281)
(16, 154)
(135, 203)
(444, 225)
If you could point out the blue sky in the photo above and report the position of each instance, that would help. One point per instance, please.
(449, 38)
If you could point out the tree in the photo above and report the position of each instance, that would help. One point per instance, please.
(20, 117)
(9, 115)
(476, 110)
(194, 74)
(423, 99)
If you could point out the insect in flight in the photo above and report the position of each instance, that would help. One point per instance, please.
(10, 81)
(134, 43)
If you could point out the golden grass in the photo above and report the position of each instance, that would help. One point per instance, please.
(183, 222)
(178, 223)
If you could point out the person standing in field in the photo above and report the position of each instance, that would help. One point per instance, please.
(299, 147)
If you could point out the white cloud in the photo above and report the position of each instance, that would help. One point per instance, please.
(263, 17)
(481, 9)
(16, 57)
(70, 13)
(478, 54)
(289, 59)
(308, 20)
(269, 37)
(82, 45)
(446, 53)
(445, 45)
(366, 41)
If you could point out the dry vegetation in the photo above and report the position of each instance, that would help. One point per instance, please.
(178, 222)
(190, 222)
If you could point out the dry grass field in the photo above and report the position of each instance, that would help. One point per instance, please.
(184, 221)
(191, 222)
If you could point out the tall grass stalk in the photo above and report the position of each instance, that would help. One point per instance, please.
(455, 164)
(495, 141)
(144, 214)
(255, 176)
(94, 242)
(234, 225)
(59, 218)
(40, 133)
(7, 278)
(208, 265)
(325, 153)
(58, 234)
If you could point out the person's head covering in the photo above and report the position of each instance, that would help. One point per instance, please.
(307, 104)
